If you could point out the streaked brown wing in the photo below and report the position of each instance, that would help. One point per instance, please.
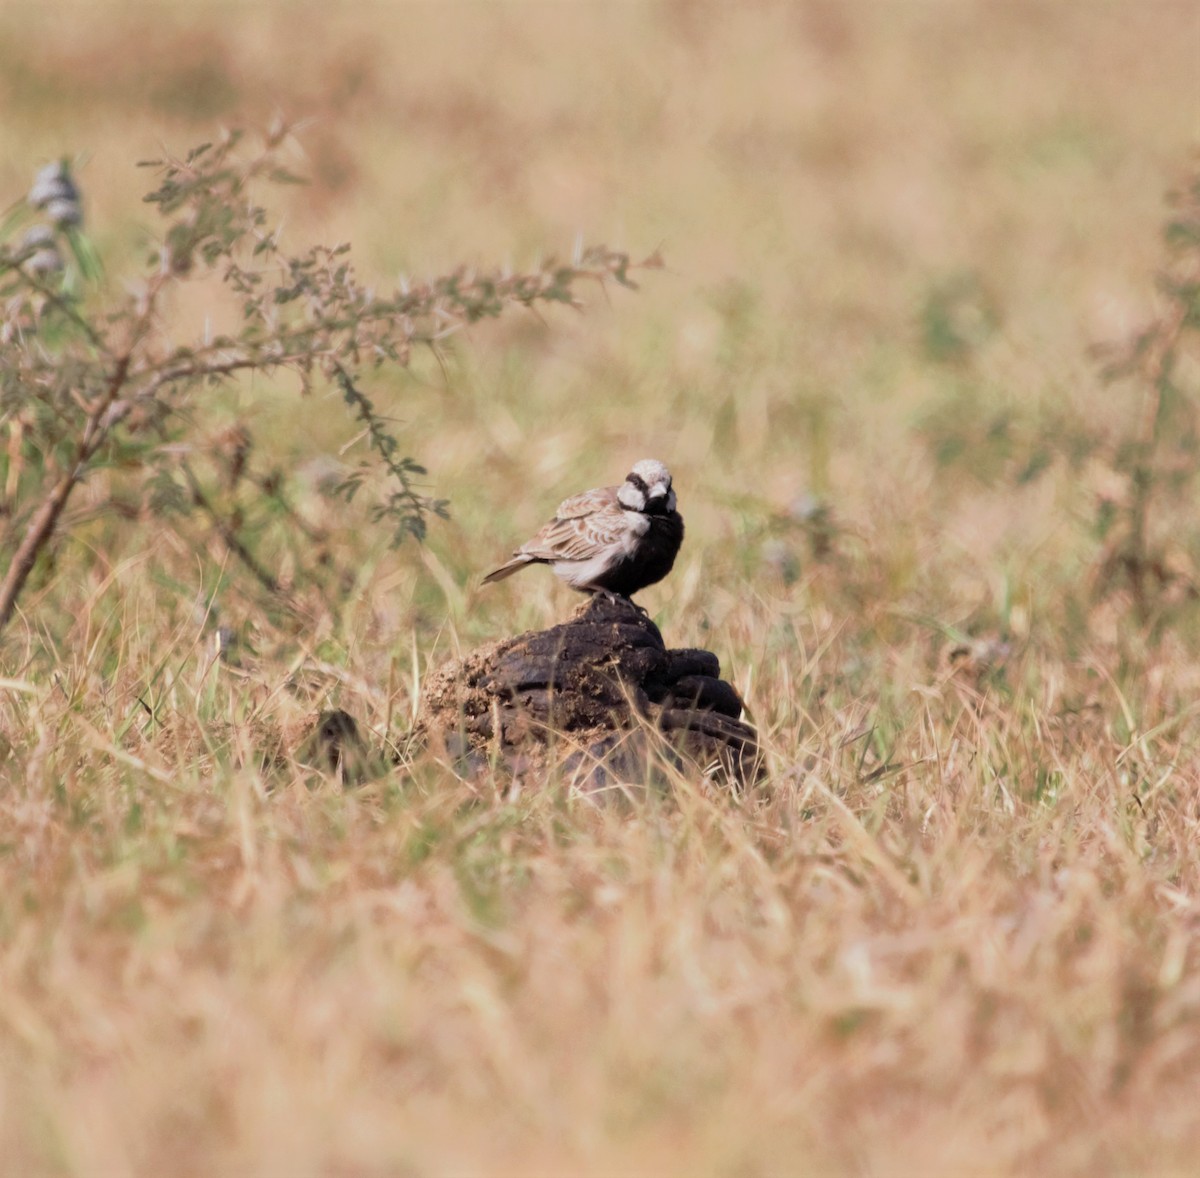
(585, 503)
(578, 537)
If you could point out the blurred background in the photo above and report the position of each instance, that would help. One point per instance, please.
(892, 232)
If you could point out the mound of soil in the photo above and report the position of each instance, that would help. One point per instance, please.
(606, 681)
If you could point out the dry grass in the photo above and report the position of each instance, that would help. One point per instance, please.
(955, 928)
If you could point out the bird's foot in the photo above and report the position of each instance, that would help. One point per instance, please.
(607, 595)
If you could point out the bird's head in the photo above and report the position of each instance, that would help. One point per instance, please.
(647, 488)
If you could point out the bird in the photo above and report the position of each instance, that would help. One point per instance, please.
(609, 540)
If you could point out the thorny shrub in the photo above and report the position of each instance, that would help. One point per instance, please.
(1157, 460)
(92, 376)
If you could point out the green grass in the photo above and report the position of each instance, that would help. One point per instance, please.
(953, 928)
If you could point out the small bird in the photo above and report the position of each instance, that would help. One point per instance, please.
(614, 540)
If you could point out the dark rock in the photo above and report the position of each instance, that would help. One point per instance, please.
(593, 679)
(706, 693)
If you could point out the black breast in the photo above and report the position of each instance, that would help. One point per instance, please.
(651, 560)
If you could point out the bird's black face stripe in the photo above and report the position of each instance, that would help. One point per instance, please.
(637, 481)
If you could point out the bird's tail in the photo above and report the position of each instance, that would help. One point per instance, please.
(507, 570)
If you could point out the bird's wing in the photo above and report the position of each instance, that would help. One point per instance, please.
(585, 503)
(580, 536)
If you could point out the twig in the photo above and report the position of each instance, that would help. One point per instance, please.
(45, 520)
(229, 537)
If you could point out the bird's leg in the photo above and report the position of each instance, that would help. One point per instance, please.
(618, 599)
